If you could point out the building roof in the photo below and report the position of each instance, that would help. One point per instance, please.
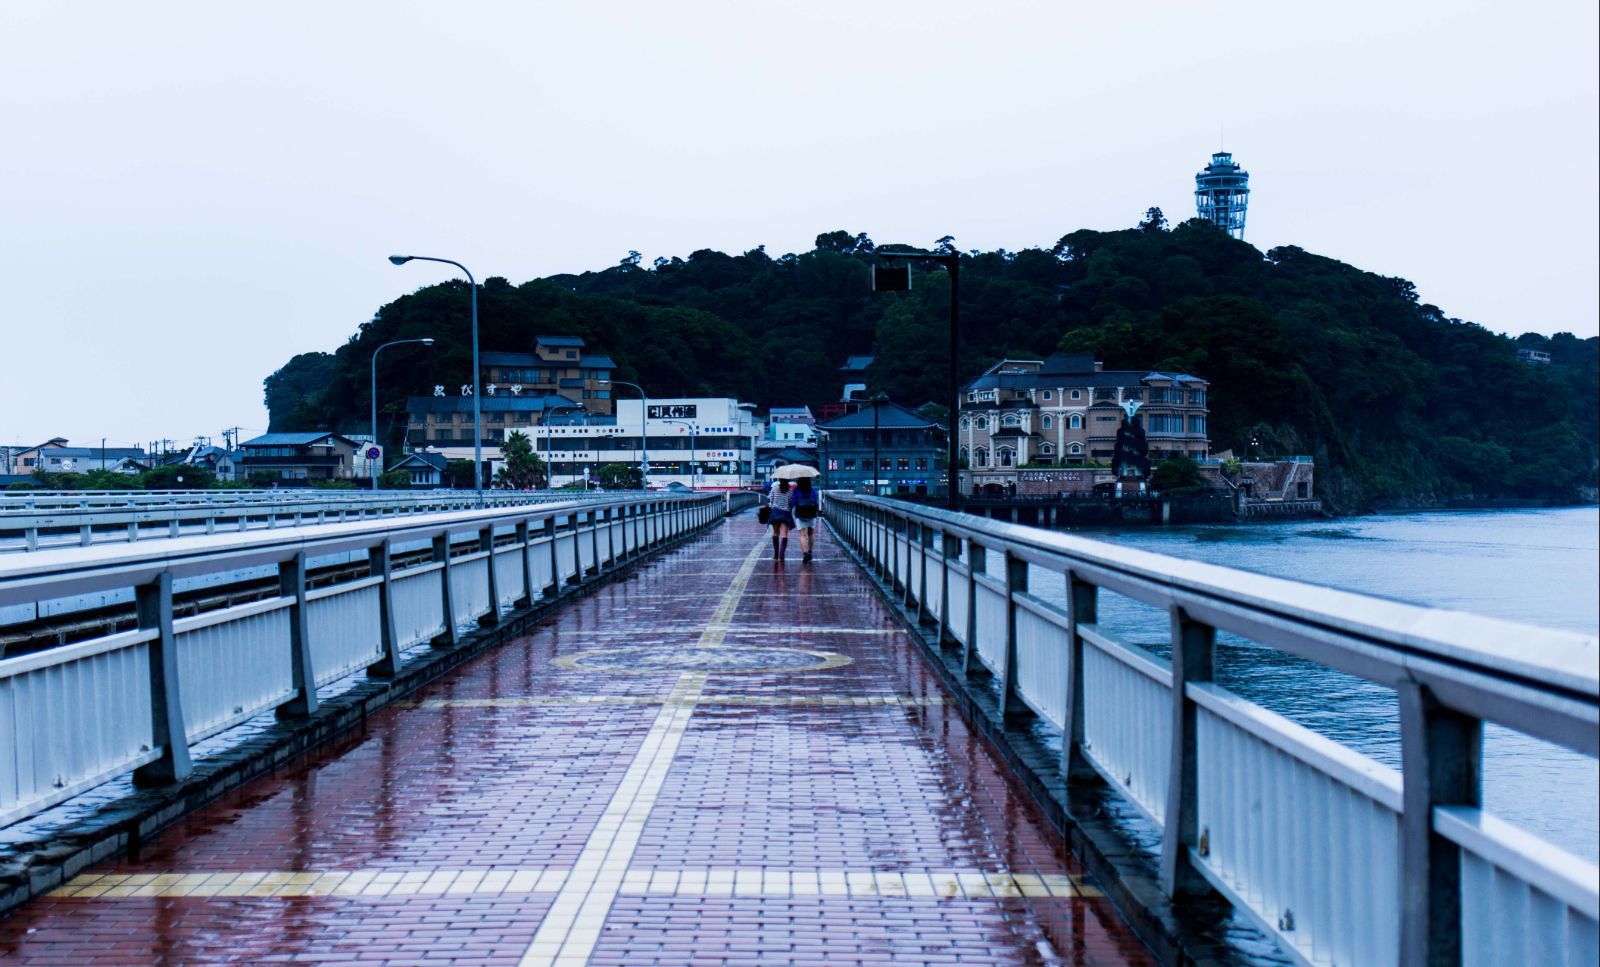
(789, 414)
(487, 404)
(436, 461)
(596, 362)
(293, 439)
(558, 341)
(509, 359)
(891, 416)
(792, 455)
(110, 453)
(1011, 431)
(856, 363)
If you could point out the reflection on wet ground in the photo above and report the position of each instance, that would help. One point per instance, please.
(724, 760)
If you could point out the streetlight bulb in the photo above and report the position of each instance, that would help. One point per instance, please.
(399, 259)
(427, 342)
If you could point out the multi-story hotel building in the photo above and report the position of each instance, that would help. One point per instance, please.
(1065, 410)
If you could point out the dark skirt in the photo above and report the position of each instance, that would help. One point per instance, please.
(780, 517)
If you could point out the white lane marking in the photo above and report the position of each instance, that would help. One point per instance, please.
(571, 929)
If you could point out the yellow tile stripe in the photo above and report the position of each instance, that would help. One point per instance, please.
(502, 881)
(556, 700)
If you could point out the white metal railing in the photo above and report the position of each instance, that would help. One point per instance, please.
(75, 716)
(32, 521)
(1341, 859)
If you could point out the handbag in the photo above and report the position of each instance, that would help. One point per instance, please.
(764, 514)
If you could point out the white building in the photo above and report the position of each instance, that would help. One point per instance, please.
(704, 442)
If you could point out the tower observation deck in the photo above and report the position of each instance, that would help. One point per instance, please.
(1222, 192)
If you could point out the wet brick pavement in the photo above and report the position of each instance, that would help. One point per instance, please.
(692, 801)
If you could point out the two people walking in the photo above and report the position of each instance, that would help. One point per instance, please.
(793, 506)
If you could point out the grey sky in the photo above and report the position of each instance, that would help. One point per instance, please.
(192, 193)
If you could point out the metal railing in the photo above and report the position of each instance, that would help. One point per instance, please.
(63, 520)
(1326, 849)
(75, 716)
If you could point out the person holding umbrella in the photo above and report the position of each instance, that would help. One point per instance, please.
(804, 503)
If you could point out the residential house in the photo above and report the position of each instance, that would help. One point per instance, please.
(298, 458)
(424, 469)
(908, 450)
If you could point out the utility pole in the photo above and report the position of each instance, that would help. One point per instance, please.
(891, 283)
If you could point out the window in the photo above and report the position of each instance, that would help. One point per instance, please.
(965, 422)
(1077, 394)
(1075, 421)
(1046, 395)
(981, 457)
(1164, 423)
(903, 463)
(1048, 422)
(1010, 419)
(1197, 424)
(922, 463)
(1105, 418)
(1197, 396)
(1008, 456)
(982, 423)
(1076, 449)
(966, 457)
(1047, 448)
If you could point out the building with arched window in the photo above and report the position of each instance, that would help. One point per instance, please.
(1064, 412)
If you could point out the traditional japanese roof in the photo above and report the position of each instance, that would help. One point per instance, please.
(498, 403)
(510, 359)
(1011, 431)
(891, 416)
(435, 461)
(596, 362)
(294, 439)
(793, 455)
(558, 341)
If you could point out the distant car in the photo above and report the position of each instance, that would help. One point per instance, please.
(679, 488)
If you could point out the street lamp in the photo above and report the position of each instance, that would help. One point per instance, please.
(375, 352)
(477, 414)
(896, 282)
(549, 449)
(644, 429)
(877, 401)
(691, 447)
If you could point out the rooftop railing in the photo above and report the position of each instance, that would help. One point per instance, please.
(79, 715)
(1338, 857)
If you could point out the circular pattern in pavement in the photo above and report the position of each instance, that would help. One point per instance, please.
(690, 658)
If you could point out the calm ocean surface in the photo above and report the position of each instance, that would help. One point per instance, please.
(1537, 566)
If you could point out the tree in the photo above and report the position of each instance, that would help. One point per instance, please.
(458, 474)
(178, 476)
(523, 469)
(619, 476)
(1177, 473)
(394, 480)
(1154, 220)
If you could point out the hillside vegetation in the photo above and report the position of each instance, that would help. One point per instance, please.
(1397, 400)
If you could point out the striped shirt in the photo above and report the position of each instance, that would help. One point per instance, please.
(779, 499)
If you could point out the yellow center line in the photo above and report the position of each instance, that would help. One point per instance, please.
(571, 929)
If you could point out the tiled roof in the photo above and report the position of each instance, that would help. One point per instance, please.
(596, 362)
(292, 439)
(558, 340)
(891, 416)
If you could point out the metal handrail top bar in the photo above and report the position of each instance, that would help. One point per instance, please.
(1379, 639)
(55, 573)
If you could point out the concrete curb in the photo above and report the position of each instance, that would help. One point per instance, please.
(1193, 931)
(31, 868)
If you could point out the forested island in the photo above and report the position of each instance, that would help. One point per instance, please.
(1399, 402)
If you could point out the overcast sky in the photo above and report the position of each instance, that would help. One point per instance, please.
(192, 193)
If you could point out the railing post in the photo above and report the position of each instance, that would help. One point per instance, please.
(575, 519)
(1011, 703)
(292, 584)
(1193, 646)
(1083, 607)
(975, 564)
(153, 604)
(924, 551)
(380, 565)
(525, 543)
(441, 556)
(949, 551)
(1441, 760)
(553, 589)
(595, 517)
(486, 544)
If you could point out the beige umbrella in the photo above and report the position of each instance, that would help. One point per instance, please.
(795, 471)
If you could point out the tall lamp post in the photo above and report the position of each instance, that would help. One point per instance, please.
(477, 414)
(691, 447)
(644, 429)
(891, 283)
(375, 352)
(549, 447)
(877, 401)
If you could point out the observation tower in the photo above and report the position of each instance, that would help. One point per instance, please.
(1221, 193)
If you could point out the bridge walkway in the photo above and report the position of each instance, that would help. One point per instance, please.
(723, 760)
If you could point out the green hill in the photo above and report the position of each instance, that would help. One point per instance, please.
(1305, 354)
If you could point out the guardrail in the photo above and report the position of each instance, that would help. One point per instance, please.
(76, 716)
(81, 521)
(1327, 850)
